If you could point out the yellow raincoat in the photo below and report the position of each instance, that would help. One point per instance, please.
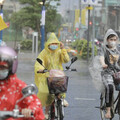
(52, 59)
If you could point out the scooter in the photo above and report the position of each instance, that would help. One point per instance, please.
(27, 91)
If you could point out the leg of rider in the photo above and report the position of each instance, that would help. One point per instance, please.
(65, 103)
(108, 100)
(46, 111)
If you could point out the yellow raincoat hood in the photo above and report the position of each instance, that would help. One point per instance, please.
(52, 39)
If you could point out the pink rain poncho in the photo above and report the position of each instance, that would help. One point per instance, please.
(10, 92)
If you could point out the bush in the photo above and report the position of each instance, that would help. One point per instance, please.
(26, 44)
(84, 51)
(81, 46)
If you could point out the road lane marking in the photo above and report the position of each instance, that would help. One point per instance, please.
(89, 99)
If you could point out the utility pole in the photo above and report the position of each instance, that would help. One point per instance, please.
(43, 26)
(80, 19)
(93, 43)
(1, 13)
(88, 36)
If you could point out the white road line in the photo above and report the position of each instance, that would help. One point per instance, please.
(91, 99)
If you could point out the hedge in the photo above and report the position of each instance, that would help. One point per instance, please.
(81, 46)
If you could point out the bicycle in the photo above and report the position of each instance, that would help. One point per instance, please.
(15, 113)
(56, 86)
(115, 109)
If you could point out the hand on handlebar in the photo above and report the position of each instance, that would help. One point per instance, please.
(26, 112)
(104, 66)
(42, 71)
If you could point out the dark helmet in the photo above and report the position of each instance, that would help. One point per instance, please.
(8, 55)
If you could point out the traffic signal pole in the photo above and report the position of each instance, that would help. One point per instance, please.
(93, 42)
(80, 19)
(43, 26)
(88, 36)
(1, 32)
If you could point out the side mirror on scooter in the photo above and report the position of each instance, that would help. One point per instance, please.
(40, 61)
(27, 91)
(73, 59)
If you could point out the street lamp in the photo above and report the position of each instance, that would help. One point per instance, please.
(42, 24)
(1, 14)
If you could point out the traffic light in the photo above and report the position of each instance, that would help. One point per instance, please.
(77, 29)
(90, 23)
(76, 33)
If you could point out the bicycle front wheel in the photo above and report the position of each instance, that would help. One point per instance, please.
(60, 110)
(52, 112)
(102, 107)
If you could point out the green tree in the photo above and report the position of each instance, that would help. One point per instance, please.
(30, 16)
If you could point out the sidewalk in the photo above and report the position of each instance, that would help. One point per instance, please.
(23, 56)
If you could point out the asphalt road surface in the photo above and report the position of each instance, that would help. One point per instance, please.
(81, 94)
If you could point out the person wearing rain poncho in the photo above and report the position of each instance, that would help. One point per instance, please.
(52, 56)
(110, 57)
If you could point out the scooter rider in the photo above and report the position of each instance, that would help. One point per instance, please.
(11, 86)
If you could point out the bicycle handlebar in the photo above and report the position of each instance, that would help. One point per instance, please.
(15, 114)
(45, 70)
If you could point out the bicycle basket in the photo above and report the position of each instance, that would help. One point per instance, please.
(57, 85)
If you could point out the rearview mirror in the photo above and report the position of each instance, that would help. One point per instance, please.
(29, 90)
(73, 59)
(39, 60)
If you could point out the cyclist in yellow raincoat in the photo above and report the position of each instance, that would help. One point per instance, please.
(52, 56)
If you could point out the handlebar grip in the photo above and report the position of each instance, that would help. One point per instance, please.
(42, 71)
(21, 115)
(73, 70)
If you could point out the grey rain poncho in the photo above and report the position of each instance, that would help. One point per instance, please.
(95, 68)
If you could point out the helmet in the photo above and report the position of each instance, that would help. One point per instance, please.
(8, 55)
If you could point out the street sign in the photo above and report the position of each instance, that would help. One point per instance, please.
(92, 2)
(85, 1)
(89, 8)
(112, 2)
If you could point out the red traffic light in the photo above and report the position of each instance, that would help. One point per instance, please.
(77, 29)
(90, 22)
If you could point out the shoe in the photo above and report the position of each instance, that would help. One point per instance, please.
(65, 103)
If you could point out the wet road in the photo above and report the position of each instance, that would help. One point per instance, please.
(81, 94)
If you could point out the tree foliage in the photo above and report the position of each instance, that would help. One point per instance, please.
(30, 15)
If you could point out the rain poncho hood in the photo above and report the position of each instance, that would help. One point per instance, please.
(52, 39)
(109, 32)
(51, 59)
